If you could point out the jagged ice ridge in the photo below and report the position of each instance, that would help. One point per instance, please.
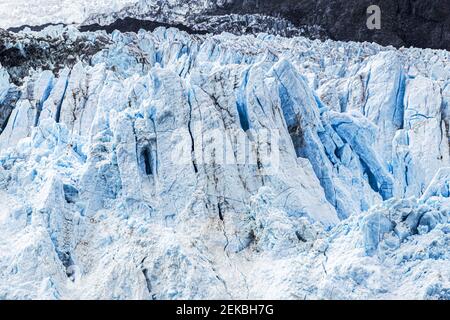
(115, 183)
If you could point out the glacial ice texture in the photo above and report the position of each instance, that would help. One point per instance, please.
(175, 166)
(16, 13)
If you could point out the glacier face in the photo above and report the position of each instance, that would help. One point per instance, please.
(165, 166)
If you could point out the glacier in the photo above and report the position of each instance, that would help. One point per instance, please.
(17, 13)
(163, 165)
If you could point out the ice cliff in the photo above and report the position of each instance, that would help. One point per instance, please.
(165, 165)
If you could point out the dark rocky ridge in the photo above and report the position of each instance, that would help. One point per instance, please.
(128, 24)
(33, 28)
(418, 23)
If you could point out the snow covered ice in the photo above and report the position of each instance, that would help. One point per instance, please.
(16, 13)
(177, 166)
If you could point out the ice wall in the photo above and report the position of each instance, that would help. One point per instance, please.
(178, 166)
